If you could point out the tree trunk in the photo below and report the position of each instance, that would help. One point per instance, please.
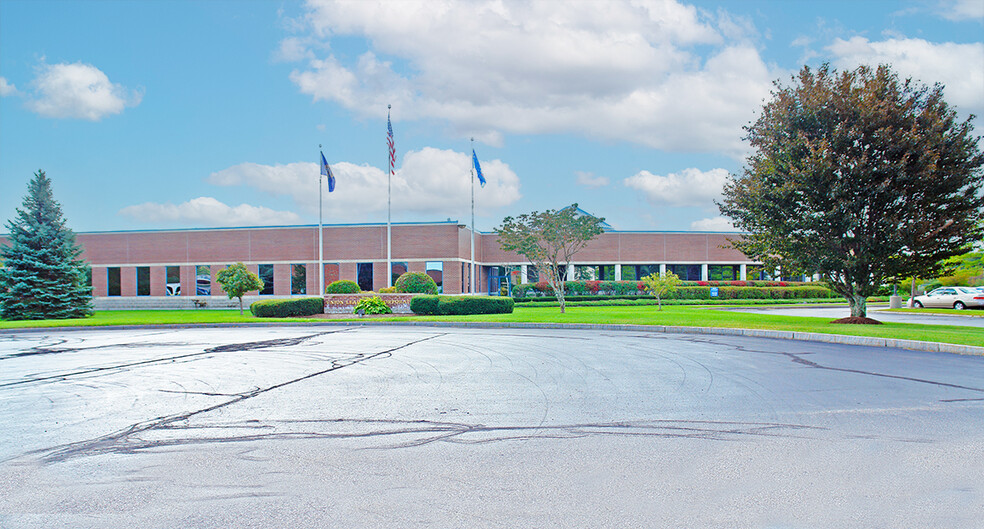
(858, 307)
(659, 303)
(560, 298)
(240, 306)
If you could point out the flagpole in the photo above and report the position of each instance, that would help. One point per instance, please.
(472, 273)
(321, 242)
(389, 215)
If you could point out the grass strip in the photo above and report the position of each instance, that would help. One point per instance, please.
(638, 315)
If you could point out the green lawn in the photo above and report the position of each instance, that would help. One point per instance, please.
(674, 315)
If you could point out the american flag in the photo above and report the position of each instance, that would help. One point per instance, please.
(389, 140)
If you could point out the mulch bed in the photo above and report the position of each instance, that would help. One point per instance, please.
(857, 320)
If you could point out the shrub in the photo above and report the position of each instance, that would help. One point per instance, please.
(387, 290)
(286, 308)
(372, 305)
(416, 283)
(424, 305)
(343, 286)
(461, 305)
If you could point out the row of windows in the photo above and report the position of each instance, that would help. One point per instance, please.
(689, 272)
(298, 278)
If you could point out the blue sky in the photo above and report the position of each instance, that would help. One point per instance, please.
(163, 114)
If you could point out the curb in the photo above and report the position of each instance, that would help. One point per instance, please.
(868, 341)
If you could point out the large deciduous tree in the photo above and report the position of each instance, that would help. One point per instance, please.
(860, 177)
(549, 240)
(43, 275)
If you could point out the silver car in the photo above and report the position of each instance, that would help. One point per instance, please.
(951, 297)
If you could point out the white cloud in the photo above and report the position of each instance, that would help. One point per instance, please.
(207, 211)
(7, 89)
(623, 70)
(590, 180)
(690, 187)
(962, 9)
(960, 67)
(79, 91)
(431, 182)
(293, 49)
(713, 224)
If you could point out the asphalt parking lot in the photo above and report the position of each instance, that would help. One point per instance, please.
(330, 426)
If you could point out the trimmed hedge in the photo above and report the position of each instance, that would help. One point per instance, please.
(704, 292)
(343, 286)
(633, 288)
(416, 283)
(285, 308)
(460, 305)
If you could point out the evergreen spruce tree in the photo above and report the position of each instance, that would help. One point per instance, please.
(43, 276)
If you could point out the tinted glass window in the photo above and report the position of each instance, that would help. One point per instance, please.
(143, 280)
(172, 281)
(266, 274)
(298, 279)
(113, 281)
(365, 276)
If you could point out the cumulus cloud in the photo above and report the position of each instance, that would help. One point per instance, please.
(207, 211)
(7, 89)
(962, 9)
(79, 91)
(293, 49)
(431, 182)
(713, 224)
(590, 180)
(612, 70)
(960, 67)
(690, 187)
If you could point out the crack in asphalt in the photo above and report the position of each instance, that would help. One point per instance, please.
(798, 359)
(247, 346)
(108, 443)
(452, 432)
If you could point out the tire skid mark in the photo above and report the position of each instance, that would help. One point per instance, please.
(110, 442)
(248, 346)
(428, 432)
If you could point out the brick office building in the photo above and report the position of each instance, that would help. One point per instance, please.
(185, 262)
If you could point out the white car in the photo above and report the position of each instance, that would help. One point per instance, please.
(951, 297)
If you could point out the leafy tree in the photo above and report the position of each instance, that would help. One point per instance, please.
(43, 275)
(549, 240)
(237, 280)
(661, 286)
(859, 176)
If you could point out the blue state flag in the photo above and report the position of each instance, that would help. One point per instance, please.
(326, 171)
(478, 168)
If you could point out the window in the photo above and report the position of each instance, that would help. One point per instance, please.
(298, 279)
(398, 270)
(113, 281)
(532, 274)
(365, 276)
(435, 269)
(629, 273)
(686, 272)
(203, 280)
(723, 272)
(266, 275)
(172, 281)
(143, 280)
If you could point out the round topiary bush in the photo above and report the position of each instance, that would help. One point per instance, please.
(416, 283)
(343, 286)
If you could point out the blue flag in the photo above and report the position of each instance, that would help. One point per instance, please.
(478, 168)
(326, 171)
